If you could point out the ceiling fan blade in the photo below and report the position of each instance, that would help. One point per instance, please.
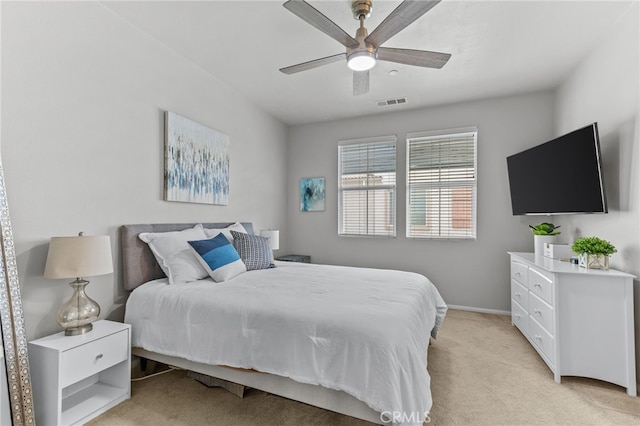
(360, 82)
(314, 17)
(313, 64)
(419, 58)
(403, 15)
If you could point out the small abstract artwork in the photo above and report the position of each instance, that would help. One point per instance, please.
(312, 194)
(196, 162)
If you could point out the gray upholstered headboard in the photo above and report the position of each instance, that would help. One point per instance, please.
(138, 263)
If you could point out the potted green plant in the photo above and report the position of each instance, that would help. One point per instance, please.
(593, 252)
(545, 228)
(543, 233)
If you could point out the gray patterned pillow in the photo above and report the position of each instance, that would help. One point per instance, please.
(254, 250)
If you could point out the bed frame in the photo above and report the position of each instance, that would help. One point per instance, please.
(139, 266)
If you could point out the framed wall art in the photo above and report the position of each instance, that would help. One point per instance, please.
(196, 162)
(312, 194)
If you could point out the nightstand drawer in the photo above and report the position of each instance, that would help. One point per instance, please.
(88, 359)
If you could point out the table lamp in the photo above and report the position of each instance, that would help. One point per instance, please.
(77, 257)
(273, 236)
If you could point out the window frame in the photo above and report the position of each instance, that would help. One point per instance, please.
(474, 182)
(392, 211)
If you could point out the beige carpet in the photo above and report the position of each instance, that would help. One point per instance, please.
(483, 372)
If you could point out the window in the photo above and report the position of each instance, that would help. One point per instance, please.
(441, 184)
(367, 187)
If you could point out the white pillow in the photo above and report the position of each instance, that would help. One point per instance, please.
(226, 231)
(174, 255)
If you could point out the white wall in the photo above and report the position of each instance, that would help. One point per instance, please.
(605, 87)
(467, 273)
(83, 95)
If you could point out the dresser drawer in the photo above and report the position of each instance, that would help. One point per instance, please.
(88, 359)
(541, 286)
(519, 317)
(541, 312)
(542, 340)
(519, 273)
(520, 294)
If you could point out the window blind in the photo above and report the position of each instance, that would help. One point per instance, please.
(367, 187)
(441, 185)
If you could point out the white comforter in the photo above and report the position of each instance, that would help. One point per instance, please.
(362, 331)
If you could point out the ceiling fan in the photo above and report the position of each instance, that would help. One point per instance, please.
(365, 49)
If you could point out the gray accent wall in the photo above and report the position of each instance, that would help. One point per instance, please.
(472, 273)
(83, 95)
(605, 87)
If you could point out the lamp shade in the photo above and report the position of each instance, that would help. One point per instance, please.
(273, 236)
(81, 256)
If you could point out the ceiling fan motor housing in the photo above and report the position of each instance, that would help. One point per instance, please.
(364, 56)
(361, 8)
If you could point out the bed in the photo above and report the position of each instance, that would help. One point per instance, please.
(350, 340)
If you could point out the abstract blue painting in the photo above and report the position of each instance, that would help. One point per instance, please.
(312, 194)
(196, 162)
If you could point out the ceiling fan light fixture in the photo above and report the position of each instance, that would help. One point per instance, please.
(361, 61)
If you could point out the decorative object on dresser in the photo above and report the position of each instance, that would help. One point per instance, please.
(312, 194)
(558, 251)
(77, 257)
(77, 378)
(196, 162)
(300, 258)
(273, 236)
(580, 321)
(544, 233)
(593, 252)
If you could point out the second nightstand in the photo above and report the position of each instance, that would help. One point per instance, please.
(76, 378)
(300, 258)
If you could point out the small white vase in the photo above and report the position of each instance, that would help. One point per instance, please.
(540, 240)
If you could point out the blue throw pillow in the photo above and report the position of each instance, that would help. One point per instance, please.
(254, 250)
(219, 257)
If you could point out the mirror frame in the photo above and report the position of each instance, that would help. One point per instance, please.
(14, 336)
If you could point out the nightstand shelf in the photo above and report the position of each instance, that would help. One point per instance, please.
(76, 378)
(300, 258)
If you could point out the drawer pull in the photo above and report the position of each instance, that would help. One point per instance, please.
(99, 356)
(537, 311)
(517, 294)
(517, 274)
(538, 337)
(537, 285)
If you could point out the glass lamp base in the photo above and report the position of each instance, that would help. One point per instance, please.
(77, 314)
(74, 331)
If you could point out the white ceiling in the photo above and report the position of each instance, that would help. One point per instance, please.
(498, 48)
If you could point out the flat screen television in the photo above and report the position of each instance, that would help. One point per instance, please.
(561, 176)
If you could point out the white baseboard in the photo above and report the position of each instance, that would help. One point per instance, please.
(480, 310)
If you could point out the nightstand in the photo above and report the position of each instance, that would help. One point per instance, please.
(76, 378)
(300, 258)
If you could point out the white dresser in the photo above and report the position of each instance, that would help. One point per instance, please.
(579, 320)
